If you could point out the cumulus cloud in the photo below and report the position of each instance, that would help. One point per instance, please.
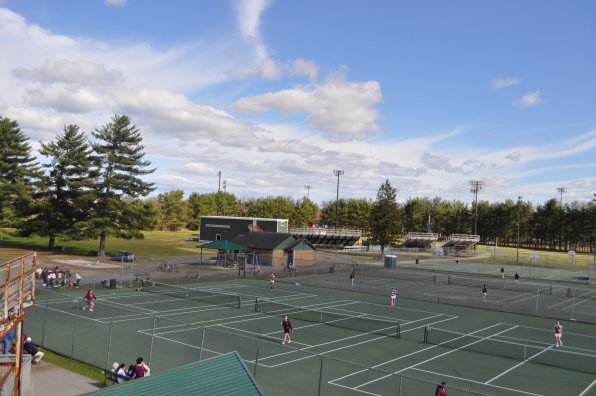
(75, 100)
(67, 71)
(501, 83)
(529, 100)
(514, 156)
(116, 3)
(340, 108)
(438, 163)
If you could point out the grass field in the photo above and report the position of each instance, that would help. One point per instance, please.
(476, 351)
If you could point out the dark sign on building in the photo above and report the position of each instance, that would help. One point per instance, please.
(215, 228)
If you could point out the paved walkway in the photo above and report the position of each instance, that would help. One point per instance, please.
(51, 380)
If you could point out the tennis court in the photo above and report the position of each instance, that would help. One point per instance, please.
(344, 343)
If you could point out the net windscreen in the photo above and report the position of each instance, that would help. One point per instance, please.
(545, 354)
(358, 323)
(500, 284)
(206, 296)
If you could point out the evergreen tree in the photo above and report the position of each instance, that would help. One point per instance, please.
(19, 174)
(173, 210)
(305, 213)
(63, 202)
(385, 218)
(120, 166)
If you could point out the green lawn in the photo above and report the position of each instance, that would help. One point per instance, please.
(155, 243)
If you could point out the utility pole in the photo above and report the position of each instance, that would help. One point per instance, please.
(594, 251)
(561, 190)
(225, 185)
(307, 187)
(519, 199)
(476, 186)
(337, 173)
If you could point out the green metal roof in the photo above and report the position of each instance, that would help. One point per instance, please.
(220, 375)
(222, 245)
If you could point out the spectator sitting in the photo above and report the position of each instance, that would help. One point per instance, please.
(141, 369)
(121, 376)
(32, 350)
(6, 342)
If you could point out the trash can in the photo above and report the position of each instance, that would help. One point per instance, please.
(417, 261)
(112, 283)
(331, 270)
(390, 261)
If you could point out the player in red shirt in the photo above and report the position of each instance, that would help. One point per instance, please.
(272, 280)
(89, 297)
(558, 334)
(441, 391)
(287, 326)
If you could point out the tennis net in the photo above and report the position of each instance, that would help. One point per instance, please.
(539, 354)
(364, 324)
(207, 296)
(500, 284)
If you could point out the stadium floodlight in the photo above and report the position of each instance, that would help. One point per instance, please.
(307, 187)
(519, 199)
(337, 173)
(476, 186)
(218, 190)
(561, 191)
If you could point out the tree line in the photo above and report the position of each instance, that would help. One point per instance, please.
(87, 189)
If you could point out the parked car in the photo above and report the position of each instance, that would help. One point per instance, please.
(123, 256)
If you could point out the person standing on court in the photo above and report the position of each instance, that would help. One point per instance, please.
(484, 291)
(502, 273)
(287, 326)
(392, 297)
(272, 280)
(441, 390)
(516, 277)
(77, 280)
(558, 334)
(90, 297)
(352, 276)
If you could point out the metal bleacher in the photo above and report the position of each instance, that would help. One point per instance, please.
(328, 236)
(460, 243)
(422, 240)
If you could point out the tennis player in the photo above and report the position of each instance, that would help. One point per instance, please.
(441, 391)
(392, 297)
(516, 277)
(558, 334)
(272, 280)
(502, 273)
(89, 297)
(287, 326)
(352, 276)
(484, 291)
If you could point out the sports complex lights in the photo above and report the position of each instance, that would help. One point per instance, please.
(476, 186)
(337, 173)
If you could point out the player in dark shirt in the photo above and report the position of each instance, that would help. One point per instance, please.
(287, 326)
(484, 291)
(89, 297)
(441, 391)
(352, 276)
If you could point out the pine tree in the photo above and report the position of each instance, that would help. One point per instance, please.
(385, 219)
(19, 174)
(63, 202)
(120, 166)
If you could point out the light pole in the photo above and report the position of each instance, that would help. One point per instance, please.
(519, 198)
(476, 186)
(561, 190)
(225, 186)
(594, 251)
(218, 190)
(337, 173)
(307, 187)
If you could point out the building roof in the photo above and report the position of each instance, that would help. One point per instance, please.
(300, 244)
(222, 245)
(243, 218)
(220, 375)
(266, 240)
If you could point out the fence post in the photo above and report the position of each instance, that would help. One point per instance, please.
(45, 319)
(74, 334)
(254, 373)
(152, 339)
(202, 344)
(320, 377)
(108, 349)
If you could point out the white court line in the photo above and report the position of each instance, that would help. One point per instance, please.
(445, 353)
(478, 382)
(398, 308)
(352, 345)
(549, 331)
(517, 365)
(584, 392)
(77, 316)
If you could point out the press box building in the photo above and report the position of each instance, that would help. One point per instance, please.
(215, 228)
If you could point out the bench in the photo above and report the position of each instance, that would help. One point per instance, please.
(111, 376)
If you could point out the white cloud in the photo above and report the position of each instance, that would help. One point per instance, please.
(501, 83)
(116, 3)
(529, 100)
(338, 107)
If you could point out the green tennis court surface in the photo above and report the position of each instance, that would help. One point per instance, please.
(344, 343)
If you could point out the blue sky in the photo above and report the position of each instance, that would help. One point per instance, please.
(278, 94)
